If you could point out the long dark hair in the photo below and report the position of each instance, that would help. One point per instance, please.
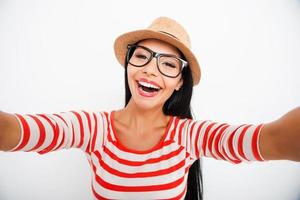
(179, 105)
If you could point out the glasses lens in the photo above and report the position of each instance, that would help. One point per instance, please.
(170, 66)
(140, 57)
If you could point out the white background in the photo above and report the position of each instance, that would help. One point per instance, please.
(58, 56)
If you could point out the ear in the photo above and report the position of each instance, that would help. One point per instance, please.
(179, 85)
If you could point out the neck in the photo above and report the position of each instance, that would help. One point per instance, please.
(142, 119)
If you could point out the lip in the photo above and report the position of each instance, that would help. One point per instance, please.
(144, 93)
(149, 81)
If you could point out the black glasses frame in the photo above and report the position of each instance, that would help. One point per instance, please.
(153, 55)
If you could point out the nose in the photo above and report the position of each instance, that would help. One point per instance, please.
(151, 67)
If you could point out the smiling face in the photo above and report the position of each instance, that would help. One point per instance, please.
(149, 88)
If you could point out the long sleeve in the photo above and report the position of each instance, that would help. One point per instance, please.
(233, 143)
(43, 133)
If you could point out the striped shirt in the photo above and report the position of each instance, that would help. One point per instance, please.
(122, 173)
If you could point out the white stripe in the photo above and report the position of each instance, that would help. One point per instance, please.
(235, 142)
(214, 147)
(141, 157)
(201, 135)
(224, 141)
(176, 135)
(62, 128)
(163, 194)
(73, 118)
(35, 133)
(147, 167)
(193, 138)
(220, 144)
(68, 117)
(146, 181)
(189, 146)
(184, 133)
(93, 126)
(171, 127)
(208, 153)
(86, 130)
(110, 126)
(100, 131)
(247, 143)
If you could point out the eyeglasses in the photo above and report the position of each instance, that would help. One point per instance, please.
(168, 65)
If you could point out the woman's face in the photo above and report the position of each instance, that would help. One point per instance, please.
(142, 79)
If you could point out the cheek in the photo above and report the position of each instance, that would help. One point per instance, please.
(130, 74)
(169, 90)
(131, 71)
(171, 84)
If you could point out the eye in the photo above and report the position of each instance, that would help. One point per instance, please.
(169, 64)
(141, 56)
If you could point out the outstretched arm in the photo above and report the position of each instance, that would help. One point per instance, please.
(280, 139)
(44, 133)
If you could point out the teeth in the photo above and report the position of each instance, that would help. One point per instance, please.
(149, 85)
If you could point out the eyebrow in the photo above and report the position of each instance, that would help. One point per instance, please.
(168, 54)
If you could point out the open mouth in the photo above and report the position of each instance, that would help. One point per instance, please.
(148, 87)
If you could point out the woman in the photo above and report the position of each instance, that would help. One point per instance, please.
(151, 148)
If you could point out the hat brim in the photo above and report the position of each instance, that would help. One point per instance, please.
(120, 48)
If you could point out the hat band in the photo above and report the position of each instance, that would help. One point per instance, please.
(169, 34)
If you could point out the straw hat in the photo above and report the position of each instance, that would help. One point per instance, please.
(167, 30)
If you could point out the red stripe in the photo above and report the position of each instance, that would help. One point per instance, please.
(230, 143)
(89, 120)
(180, 132)
(98, 196)
(211, 138)
(225, 154)
(217, 140)
(255, 147)
(81, 128)
(62, 141)
(64, 133)
(104, 129)
(73, 135)
(87, 149)
(180, 195)
(139, 163)
(138, 174)
(55, 129)
(109, 137)
(95, 132)
(42, 132)
(123, 148)
(120, 188)
(205, 138)
(26, 133)
(61, 118)
(191, 135)
(191, 130)
(197, 139)
(186, 170)
(172, 134)
(240, 142)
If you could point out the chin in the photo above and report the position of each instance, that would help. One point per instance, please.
(146, 104)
